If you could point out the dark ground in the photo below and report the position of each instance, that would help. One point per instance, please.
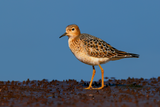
(70, 93)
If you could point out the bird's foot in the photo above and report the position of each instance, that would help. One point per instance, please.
(89, 88)
(99, 87)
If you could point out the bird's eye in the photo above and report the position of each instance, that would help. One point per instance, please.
(73, 29)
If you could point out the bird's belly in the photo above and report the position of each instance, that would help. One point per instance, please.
(89, 59)
(78, 50)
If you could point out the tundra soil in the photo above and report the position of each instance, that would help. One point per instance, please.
(131, 92)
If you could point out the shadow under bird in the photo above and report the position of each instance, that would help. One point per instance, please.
(92, 50)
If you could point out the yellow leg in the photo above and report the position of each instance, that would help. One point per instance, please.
(102, 71)
(90, 84)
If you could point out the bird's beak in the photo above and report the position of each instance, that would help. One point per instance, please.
(63, 35)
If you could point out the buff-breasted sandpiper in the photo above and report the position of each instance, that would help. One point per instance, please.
(92, 50)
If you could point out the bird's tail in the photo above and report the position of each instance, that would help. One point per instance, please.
(122, 54)
(127, 55)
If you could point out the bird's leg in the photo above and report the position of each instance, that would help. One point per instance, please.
(102, 85)
(90, 84)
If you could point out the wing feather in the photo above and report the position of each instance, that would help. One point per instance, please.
(96, 47)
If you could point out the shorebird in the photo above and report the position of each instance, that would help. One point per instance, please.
(92, 50)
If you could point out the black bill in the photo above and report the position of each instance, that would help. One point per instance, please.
(63, 35)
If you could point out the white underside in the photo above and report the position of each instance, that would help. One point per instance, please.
(90, 60)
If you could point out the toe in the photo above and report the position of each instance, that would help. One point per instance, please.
(88, 88)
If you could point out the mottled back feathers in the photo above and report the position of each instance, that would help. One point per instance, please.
(96, 47)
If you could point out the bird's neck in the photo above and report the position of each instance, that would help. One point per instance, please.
(73, 42)
(72, 39)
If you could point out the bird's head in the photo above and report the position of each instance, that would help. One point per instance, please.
(71, 31)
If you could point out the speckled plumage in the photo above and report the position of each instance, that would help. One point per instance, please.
(98, 48)
(92, 50)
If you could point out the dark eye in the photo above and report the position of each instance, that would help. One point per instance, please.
(73, 29)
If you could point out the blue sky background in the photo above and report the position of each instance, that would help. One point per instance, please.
(30, 46)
